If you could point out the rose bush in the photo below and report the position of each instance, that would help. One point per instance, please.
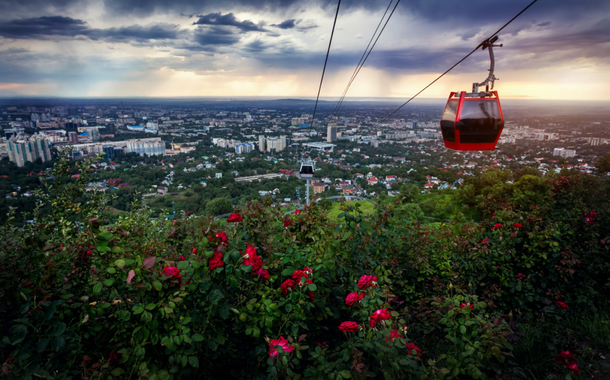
(312, 298)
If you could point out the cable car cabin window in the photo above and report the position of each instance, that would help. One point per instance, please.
(448, 121)
(306, 169)
(480, 121)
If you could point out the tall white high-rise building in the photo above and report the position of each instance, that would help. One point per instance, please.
(262, 143)
(331, 132)
(22, 149)
(276, 143)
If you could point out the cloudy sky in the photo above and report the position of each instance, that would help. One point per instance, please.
(558, 49)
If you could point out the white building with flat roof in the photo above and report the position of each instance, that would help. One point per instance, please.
(320, 146)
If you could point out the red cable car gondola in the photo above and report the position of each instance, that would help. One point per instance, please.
(474, 121)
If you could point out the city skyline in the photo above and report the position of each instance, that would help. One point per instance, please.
(555, 50)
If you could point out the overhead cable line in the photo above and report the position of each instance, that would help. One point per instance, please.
(457, 63)
(324, 69)
(365, 55)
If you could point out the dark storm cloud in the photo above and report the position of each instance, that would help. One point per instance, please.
(53, 27)
(288, 24)
(215, 36)
(228, 20)
(293, 24)
(256, 46)
(139, 33)
(42, 27)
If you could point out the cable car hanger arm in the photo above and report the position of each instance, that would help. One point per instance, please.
(488, 44)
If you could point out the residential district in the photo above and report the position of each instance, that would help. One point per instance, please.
(196, 150)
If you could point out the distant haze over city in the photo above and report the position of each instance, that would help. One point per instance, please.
(238, 48)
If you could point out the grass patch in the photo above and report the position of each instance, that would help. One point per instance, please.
(366, 207)
(113, 211)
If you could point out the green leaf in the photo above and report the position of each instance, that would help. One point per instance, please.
(215, 296)
(193, 361)
(119, 263)
(212, 344)
(198, 338)
(223, 312)
(151, 306)
(287, 272)
(463, 329)
(183, 265)
(18, 333)
(157, 285)
(109, 282)
(57, 343)
(97, 288)
(117, 371)
(57, 329)
(42, 344)
(312, 287)
(137, 309)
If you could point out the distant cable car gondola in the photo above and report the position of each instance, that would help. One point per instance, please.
(307, 169)
(474, 121)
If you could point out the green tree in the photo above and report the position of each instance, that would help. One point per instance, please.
(410, 193)
(603, 165)
(219, 206)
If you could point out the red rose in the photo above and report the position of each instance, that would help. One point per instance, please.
(297, 212)
(466, 305)
(288, 223)
(113, 358)
(568, 360)
(173, 272)
(565, 357)
(349, 326)
(485, 240)
(379, 316)
(367, 281)
(286, 347)
(252, 258)
(573, 368)
(89, 253)
(520, 276)
(562, 305)
(411, 347)
(194, 251)
(216, 261)
(287, 285)
(352, 298)
(393, 334)
(181, 258)
(497, 226)
(517, 225)
(223, 237)
(308, 270)
(300, 276)
(234, 218)
(262, 273)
